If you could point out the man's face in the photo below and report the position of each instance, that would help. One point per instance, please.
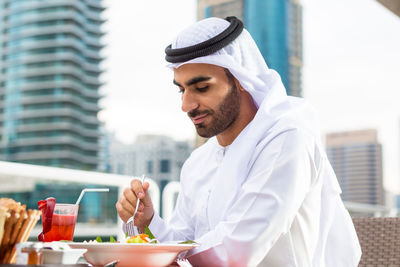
(209, 97)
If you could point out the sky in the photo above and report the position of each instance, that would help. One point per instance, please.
(140, 97)
(351, 70)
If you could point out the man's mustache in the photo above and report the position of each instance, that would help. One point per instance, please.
(197, 112)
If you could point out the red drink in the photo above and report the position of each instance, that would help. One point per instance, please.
(62, 228)
(60, 224)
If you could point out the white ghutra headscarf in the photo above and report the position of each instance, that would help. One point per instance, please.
(242, 57)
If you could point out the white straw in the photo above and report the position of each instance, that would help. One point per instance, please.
(91, 190)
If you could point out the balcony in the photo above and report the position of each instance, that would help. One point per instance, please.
(69, 84)
(61, 140)
(54, 70)
(65, 98)
(67, 28)
(58, 112)
(57, 15)
(78, 5)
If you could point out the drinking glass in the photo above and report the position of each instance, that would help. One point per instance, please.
(63, 223)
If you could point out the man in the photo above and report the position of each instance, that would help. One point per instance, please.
(261, 191)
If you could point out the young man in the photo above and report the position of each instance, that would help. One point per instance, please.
(261, 191)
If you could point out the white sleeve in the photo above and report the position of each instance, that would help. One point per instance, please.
(179, 227)
(265, 207)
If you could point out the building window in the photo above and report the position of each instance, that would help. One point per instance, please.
(164, 166)
(149, 166)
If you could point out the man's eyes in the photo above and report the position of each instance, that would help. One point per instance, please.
(202, 89)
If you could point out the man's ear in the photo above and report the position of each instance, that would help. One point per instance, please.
(239, 86)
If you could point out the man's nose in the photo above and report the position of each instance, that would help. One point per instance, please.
(189, 102)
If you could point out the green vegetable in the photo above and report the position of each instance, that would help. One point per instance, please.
(126, 235)
(148, 232)
(136, 239)
(112, 240)
(188, 242)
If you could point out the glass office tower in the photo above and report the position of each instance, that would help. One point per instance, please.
(49, 82)
(276, 26)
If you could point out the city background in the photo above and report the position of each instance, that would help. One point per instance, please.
(85, 92)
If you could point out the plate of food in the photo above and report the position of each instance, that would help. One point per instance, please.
(139, 250)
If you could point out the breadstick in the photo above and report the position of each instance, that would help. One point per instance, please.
(31, 216)
(3, 218)
(17, 229)
(35, 219)
(17, 226)
(23, 229)
(24, 226)
(7, 233)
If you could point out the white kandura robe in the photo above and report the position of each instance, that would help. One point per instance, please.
(284, 211)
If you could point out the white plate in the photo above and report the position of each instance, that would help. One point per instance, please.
(132, 255)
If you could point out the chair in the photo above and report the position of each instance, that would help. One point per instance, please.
(379, 240)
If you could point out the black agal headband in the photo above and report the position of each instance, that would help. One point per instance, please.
(207, 47)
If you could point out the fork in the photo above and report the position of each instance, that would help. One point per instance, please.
(137, 206)
(112, 264)
(182, 262)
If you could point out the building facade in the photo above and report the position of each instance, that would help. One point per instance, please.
(104, 149)
(356, 158)
(158, 157)
(49, 82)
(275, 25)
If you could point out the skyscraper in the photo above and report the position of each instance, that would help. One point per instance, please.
(276, 26)
(49, 81)
(356, 158)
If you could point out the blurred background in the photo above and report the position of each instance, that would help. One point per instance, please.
(86, 99)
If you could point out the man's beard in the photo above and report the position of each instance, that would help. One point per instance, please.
(225, 115)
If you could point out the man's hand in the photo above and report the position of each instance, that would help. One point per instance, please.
(127, 203)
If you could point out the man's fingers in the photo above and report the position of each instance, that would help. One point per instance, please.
(141, 206)
(146, 200)
(130, 196)
(137, 188)
(124, 214)
(140, 190)
(126, 205)
(146, 186)
(139, 218)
